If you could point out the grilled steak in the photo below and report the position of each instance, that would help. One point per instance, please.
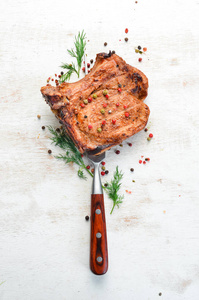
(105, 107)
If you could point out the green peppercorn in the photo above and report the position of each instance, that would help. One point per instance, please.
(102, 111)
(133, 180)
(136, 51)
(105, 92)
(94, 96)
(103, 168)
(85, 101)
(99, 129)
(148, 139)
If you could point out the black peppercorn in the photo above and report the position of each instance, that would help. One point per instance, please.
(131, 169)
(58, 129)
(106, 184)
(105, 44)
(139, 47)
(119, 85)
(106, 172)
(91, 61)
(126, 39)
(43, 127)
(85, 116)
(49, 151)
(145, 129)
(87, 218)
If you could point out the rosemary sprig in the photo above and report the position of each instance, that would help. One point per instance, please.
(71, 69)
(77, 53)
(61, 139)
(113, 188)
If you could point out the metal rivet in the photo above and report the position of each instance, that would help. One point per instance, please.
(98, 235)
(98, 211)
(99, 259)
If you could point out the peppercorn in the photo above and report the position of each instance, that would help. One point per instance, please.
(49, 151)
(147, 159)
(119, 90)
(91, 61)
(103, 122)
(144, 49)
(62, 73)
(106, 172)
(103, 163)
(125, 106)
(136, 51)
(87, 218)
(102, 111)
(126, 39)
(90, 126)
(160, 294)
(117, 104)
(38, 116)
(43, 127)
(119, 85)
(103, 168)
(144, 162)
(88, 167)
(151, 135)
(105, 44)
(106, 184)
(140, 161)
(94, 96)
(107, 96)
(126, 114)
(113, 52)
(58, 129)
(130, 144)
(85, 117)
(139, 47)
(120, 145)
(90, 99)
(92, 170)
(88, 65)
(104, 105)
(133, 180)
(105, 92)
(99, 129)
(140, 59)
(126, 30)
(82, 105)
(131, 169)
(117, 151)
(85, 101)
(102, 173)
(148, 139)
(146, 129)
(83, 69)
(59, 76)
(113, 121)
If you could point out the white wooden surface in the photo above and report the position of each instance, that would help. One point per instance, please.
(153, 237)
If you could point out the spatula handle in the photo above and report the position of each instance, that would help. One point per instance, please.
(98, 241)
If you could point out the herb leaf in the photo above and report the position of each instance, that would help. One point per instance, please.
(77, 53)
(113, 188)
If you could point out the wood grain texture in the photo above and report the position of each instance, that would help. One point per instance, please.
(153, 237)
(98, 238)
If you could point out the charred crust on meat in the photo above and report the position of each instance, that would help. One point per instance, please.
(105, 55)
(134, 90)
(125, 68)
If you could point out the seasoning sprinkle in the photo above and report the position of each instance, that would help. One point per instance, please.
(99, 129)
(131, 169)
(102, 111)
(126, 114)
(89, 99)
(139, 47)
(103, 163)
(126, 30)
(85, 101)
(117, 104)
(103, 122)
(140, 161)
(90, 126)
(82, 105)
(86, 218)
(38, 117)
(94, 96)
(105, 92)
(104, 105)
(113, 121)
(88, 167)
(103, 168)
(126, 39)
(130, 144)
(102, 173)
(107, 96)
(106, 172)
(119, 90)
(88, 65)
(140, 59)
(119, 85)
(125, 106)
(151, 135)
(105, 44)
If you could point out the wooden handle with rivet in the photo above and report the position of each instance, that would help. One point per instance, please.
(98, 241)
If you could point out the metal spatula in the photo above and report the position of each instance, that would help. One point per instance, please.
(98, 239)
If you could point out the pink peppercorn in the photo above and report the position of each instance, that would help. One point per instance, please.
(103, 122)
(125, 106)
(130, 145)
(103, 163)
(90, 126)
(107, 96)
(82, 105)
(119, 90)
(90, 99)
(102, 173)
(144, 162)
(151, 135)
(88, 167)
(117, 104)
(88, 65)
(140, 59)
(140, 161)
(126, 114)
(113, 121)
(126, 30)
(104, 105)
